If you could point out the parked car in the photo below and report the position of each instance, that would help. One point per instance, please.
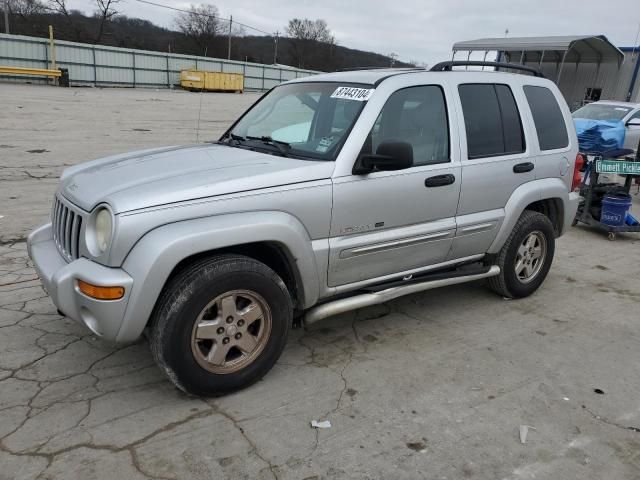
(331, 193)
(626, 112)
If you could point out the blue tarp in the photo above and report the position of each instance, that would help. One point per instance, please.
(598, 136)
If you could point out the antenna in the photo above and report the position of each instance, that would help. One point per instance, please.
(200, 106)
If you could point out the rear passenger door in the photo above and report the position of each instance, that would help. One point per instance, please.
(495, 161)
(550, 145)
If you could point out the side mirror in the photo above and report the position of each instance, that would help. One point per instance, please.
(634, 122)
(388, 156)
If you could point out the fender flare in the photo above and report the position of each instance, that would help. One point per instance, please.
(156, 254)
(525, 195)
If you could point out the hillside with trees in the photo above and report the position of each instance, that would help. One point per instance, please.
(199, 30)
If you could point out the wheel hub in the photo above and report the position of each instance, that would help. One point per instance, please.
(231, 331)
(531, 257)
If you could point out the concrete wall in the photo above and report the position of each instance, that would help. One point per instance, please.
(100, 65)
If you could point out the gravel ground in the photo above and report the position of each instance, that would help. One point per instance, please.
(432, 385)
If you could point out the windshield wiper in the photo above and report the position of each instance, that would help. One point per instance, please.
(232, 140)
(284, 147)
(237, 138)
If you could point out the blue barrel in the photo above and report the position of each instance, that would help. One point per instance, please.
(615, 208)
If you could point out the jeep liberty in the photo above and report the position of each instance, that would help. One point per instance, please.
(331, 193)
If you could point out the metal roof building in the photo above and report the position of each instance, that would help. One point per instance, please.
(585, 67)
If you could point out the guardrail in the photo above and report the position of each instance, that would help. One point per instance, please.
(4, 70)
(104, 66)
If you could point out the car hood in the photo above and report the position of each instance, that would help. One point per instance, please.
(173, 174)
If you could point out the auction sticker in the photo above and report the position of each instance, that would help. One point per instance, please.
(352, 93)
(324, 144)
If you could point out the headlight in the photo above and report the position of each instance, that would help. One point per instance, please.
(99, 237)
(104, 229)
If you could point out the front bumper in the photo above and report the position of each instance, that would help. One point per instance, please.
(60, 280)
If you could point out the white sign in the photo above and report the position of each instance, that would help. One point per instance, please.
(352, 93)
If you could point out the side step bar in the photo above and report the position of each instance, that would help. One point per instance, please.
(342, 305)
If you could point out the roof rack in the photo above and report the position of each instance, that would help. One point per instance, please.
(448, 66)
(399, 69)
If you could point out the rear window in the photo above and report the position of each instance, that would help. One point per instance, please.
(547, 116)
(492, 121)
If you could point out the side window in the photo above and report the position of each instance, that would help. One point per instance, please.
(547, 116)
(491, 120)
(417, 115)
(635, 116)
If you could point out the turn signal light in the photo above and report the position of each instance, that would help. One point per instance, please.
(577, 178)
(101, 293)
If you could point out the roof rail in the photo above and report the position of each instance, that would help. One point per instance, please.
(448, 66)
(399, 69)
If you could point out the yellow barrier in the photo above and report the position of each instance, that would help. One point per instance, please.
(29, 71)
(212, 81)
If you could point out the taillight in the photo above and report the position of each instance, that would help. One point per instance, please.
(577, 178)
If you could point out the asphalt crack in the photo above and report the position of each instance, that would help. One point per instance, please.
(611, 422)
(252, 444)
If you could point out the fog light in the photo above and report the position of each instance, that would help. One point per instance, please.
(101, 293)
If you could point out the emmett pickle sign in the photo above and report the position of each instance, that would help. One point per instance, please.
(621, 168)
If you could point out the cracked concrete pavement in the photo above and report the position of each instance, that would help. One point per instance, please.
(433, 385)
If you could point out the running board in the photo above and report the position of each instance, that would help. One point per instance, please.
(342, 305)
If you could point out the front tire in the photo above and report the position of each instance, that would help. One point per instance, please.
(220, 324)
(526, 257)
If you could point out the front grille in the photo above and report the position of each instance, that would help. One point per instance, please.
(66, 226)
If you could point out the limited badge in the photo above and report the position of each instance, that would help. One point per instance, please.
(352, 93)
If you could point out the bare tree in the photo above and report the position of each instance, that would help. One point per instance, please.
(201, 24)
(25, 8)
(60, 7)
(306, 29)
(105, 11)
(304, 33)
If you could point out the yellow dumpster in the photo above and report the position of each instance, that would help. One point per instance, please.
(197, 80)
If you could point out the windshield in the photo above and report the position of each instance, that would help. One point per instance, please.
(303, 120)
(599, 111)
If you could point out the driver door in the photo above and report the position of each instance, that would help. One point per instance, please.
(393, 222)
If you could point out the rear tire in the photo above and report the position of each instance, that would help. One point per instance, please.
(526, 256)
(220, 324)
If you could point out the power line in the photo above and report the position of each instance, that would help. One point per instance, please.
(203, 14)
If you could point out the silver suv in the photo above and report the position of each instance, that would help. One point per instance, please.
(331, 193)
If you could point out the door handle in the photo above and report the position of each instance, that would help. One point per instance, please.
(439, 180)
(523, 167)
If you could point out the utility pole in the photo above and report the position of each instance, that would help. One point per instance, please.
(635, 42)
(230, 26)
(52, 53)
(275, 48)
(6, 16)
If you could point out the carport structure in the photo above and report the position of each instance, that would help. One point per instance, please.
(580, 59)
